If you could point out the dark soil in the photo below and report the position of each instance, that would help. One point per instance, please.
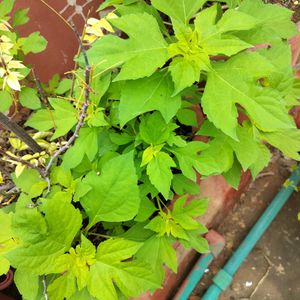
(294, 5)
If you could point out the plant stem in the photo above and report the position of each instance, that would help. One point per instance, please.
(100, 235)
(20, 133)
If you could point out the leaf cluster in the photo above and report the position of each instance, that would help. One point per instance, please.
(106, 226)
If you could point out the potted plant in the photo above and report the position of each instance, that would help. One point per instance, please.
(92, 215)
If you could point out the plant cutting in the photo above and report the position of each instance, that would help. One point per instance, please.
(91, 216)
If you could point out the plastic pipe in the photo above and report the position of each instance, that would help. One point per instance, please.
(224, 277)
(216, 245)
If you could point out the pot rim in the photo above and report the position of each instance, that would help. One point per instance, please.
(7, 281)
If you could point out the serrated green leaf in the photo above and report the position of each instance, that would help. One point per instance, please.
(224, 89)
(105, 201)
(287, 141)
(62, 287)
(187, 117)
(217, 158)
(180, 10)
(30, 182)
(86, 144)
(34, 43)
(154, 130)
(132, 54)
(27, 284)
(64, 86)
(188, 158)
(147, 208)
(158, 251)
(29, 98)
(63, 117)
(131, 277)
(6, 7)
(148, 94)
(182, 185)
(30, 232)
(139, 6)
(163, 224)
(233, 176)
(8, 240)
(184, 214)
(197, 242)
(20, 17)
(160, 174)
(272, 19)
(40, 256)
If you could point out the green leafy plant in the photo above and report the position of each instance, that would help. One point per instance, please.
(93, 219)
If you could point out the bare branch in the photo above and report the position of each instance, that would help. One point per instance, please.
(83, 109)
(20, 133)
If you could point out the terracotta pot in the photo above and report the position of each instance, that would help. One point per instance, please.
(7, 281)
(62, 43)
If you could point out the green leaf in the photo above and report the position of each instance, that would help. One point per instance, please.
(187, 117)
(30, 232)
(139, 6)
(34, 43)
(62, 287)
(29, 98)
(217, 158)
(180, 10)
(82, 295)
(287, 141)
(272, 19)
(231, 3)
(158, 251)
(164, 224)
(150, 153)
(6, 101)
(233, 176)
(197, 242)
(148, 94)
(27, 284)
(184, 214)
(65, 117)
(117, 178)
(224, 89)
(132, 54)
(263, 159)
(64, 86)
(182, 185)
(86, 144)
(147, 208)
(6, 7)
(8, 240)
(154, 130)
(188, 158)
(30, 182)
(113, 267)
(62, 118)
(160, 174)
(40, 256)
(233, 20)
(76, 267)
(20, 17)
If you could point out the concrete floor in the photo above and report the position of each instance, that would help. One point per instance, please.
(272, 271)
